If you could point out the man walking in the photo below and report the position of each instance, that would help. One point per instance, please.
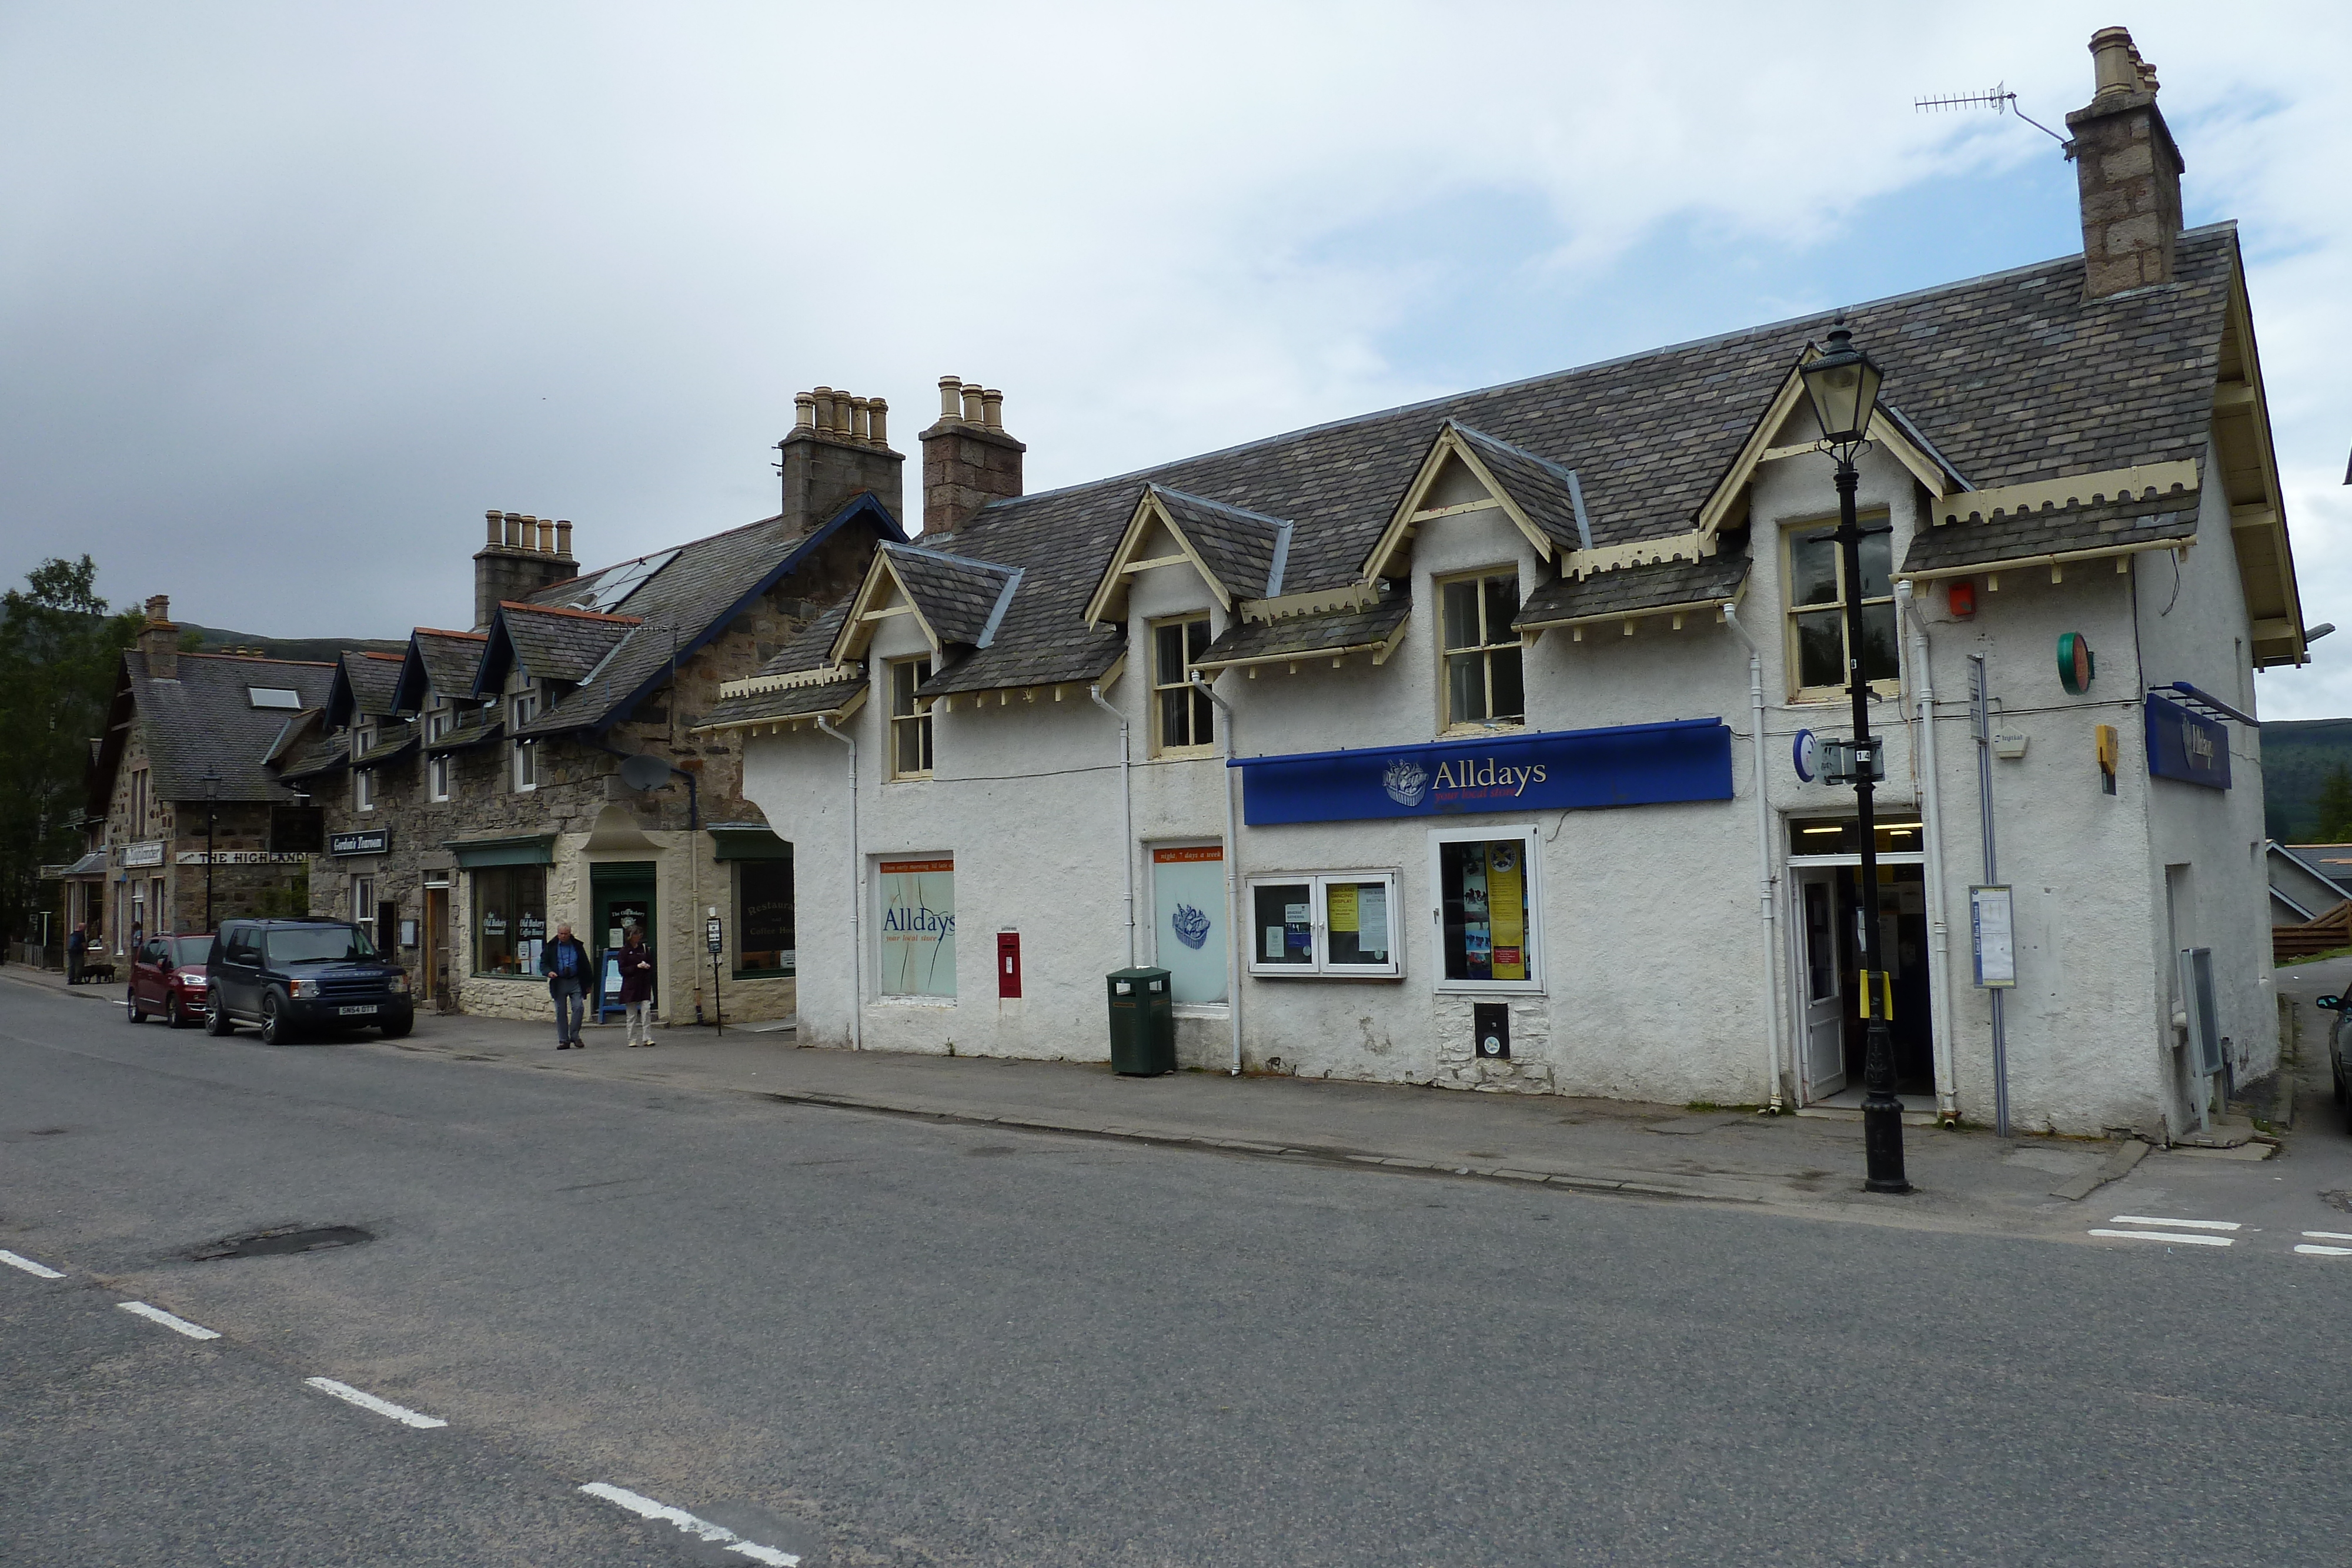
(637, 986)
(77, 944)
(565, 965)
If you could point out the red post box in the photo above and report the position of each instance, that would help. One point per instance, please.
(1008, 963)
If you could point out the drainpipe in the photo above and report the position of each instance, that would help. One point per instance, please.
(1232, 875)
(1126, 817)
(856, 897)
(1764, 880)
(1939, 931)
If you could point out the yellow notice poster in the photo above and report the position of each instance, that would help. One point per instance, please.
(1507, 903)
(1342, 901)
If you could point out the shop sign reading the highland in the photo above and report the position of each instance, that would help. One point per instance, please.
(915, 928)
(1624, 765)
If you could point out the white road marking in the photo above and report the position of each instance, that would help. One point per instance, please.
(2183, 1224)
(2308, 1249)
(177, 1325)
(38, 1271)
(348, 1394)
(2314, 1235)
(2181, 1237)
(647, 1507)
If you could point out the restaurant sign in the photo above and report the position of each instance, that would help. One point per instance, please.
(366, 841)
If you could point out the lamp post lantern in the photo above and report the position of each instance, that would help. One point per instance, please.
(1842, 384)
(212, 796)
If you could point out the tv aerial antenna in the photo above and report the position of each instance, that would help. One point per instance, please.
(1997, 98)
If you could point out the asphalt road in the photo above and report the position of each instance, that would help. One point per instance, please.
(856, 1339)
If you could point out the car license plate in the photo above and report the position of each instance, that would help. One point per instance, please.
(355, 1012)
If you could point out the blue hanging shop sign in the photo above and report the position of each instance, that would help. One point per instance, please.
(2187, 746)
(1626, 765)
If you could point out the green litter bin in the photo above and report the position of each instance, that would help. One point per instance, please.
(1143, 1022)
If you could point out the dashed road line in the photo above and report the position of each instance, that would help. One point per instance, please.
(2311, 1250)
(718, 1534)
(176, 1324)
(365, 1401)
(38, 1271)
(2177, 1224)
(2186, 1238)
(2328, 1235)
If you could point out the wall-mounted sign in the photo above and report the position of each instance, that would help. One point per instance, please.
(1806, 754)
(148, 853)
(1992, 926)
(1627, 765)
(2187, 746)
(242, 857)
(366, 841)
(2077, 668)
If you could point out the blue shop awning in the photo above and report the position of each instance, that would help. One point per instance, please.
(1573, 769)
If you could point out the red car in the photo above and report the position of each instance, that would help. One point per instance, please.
(167, 977)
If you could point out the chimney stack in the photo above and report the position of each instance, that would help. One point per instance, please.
(839, 445)
(521, 554)
(159, 640)
(2128, 169)
(968, 459)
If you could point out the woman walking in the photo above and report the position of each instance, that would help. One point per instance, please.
(637, 986)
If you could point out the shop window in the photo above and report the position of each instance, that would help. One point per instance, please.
(363, 907)
(509, 908)
(436, 777)
(1818, 591)
(915, 926)
(363, 789)
(1182, 721)
(1897, 833)
(1482, 680)
(1487, 906)
(526, 755)
(910, 720)
(1331, 922)
(763, 918)
(1188, 920)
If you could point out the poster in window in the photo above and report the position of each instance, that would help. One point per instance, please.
(1357, 918)
(916, 928)
(763, 916)
(1506, 907)
(1187, 900)
(1283, 928)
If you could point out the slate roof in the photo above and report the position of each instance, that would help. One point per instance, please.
(440, 664)
(1246, 550)
(1246, 642)
(2013, 377)
(206, 721)
(549, 643)
(329, 754)
(1543, 490)
(690, 602)
(1977, 541)
(396, 740)
(1633, 589)
(958, 598)
(793, 702)
(477, 726)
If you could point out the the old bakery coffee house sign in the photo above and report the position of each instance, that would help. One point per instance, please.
(1625, 765)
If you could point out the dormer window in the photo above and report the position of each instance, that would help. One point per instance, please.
(1817, 605)
(439, 718)
(362, 738)
(1184, 720)
(1483, 685)
(524, 707)
(910, 720)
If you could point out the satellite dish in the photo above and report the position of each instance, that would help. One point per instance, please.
(644, 772)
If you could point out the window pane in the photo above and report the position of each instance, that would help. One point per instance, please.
(1813, 572)
(916, 935)
(763, 915)
(1502, 674)
(1465, 687)
(1502, 596)
(1205, 720)
(1356, 916)
(1462, 892)
(1462, 614)
(1821, 649)
(923, 725)
(1877, 551)
(1196, 639)
(1189, 941)
(1282, 923)
(1878, 652)
(910, 736)
(902, 689)
(1175, 715)
(1168, 654)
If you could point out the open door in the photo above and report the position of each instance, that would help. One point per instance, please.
(437, 947)
(1822, 1050)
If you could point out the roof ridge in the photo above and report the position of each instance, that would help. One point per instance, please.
(1514, 448)
(952, 559)
(567, 609)
(442, 632)
(1221, 505)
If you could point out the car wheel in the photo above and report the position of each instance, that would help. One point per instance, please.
(130, 1007)
(216, 1019)
(2336, 1069)
(174, 1014)
(398, 1028)
(273, 1021)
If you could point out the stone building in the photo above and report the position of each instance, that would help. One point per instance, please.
(1469, 743)
(478, 796)
(193, 736)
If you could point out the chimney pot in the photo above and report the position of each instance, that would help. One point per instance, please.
(158, 640)
(2128, 171)
(950, 397)
(497, 521)
(514, 530)
(2115, 63)
(861, 418)
(880, 412)
(968, 458)
(804, 410)
(159, 610)
(564, 537)
(972, 412)
(991, 408)
(845, 416)
(823, 398)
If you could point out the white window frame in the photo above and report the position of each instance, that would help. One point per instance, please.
(1448, 721)
(919, 716)
(1161, 685)
(363, 788)
(1531, 862)
(523, 706)
(1319, 965)
(364, 904)
(436, 777)
(437, 715)
(363, 736)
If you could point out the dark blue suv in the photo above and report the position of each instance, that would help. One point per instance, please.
(290, 975)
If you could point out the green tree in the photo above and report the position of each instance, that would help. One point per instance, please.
(59, 651)
(2332, 812)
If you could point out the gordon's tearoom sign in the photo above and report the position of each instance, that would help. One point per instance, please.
(242, 857)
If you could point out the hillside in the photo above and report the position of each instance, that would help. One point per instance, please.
(317, 650)
(2296, 756)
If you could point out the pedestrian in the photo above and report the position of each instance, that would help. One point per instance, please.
(77, 944)
(637, 986)
(565, 963)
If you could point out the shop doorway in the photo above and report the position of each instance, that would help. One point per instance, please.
(1821, 964)
(436, 946)
(1827, 938)
(620, 897)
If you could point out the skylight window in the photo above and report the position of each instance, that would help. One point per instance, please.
(274, 696)
(608, 588)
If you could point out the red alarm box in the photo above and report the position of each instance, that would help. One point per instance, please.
(1961, 598)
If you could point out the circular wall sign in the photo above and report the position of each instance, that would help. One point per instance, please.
(2076, 665)
(1802, 754)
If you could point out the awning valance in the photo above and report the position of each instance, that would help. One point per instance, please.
(528, 849)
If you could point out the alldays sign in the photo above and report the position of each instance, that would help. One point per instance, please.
(2187, 746)
(1625, 765)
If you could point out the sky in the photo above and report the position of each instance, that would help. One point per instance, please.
(290, 295)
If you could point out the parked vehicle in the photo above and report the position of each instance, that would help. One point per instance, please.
(295, 976)
(167, 977)
(2339, 1055)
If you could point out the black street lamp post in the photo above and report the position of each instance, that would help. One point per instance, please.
(212, 796)
(1843, 384)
